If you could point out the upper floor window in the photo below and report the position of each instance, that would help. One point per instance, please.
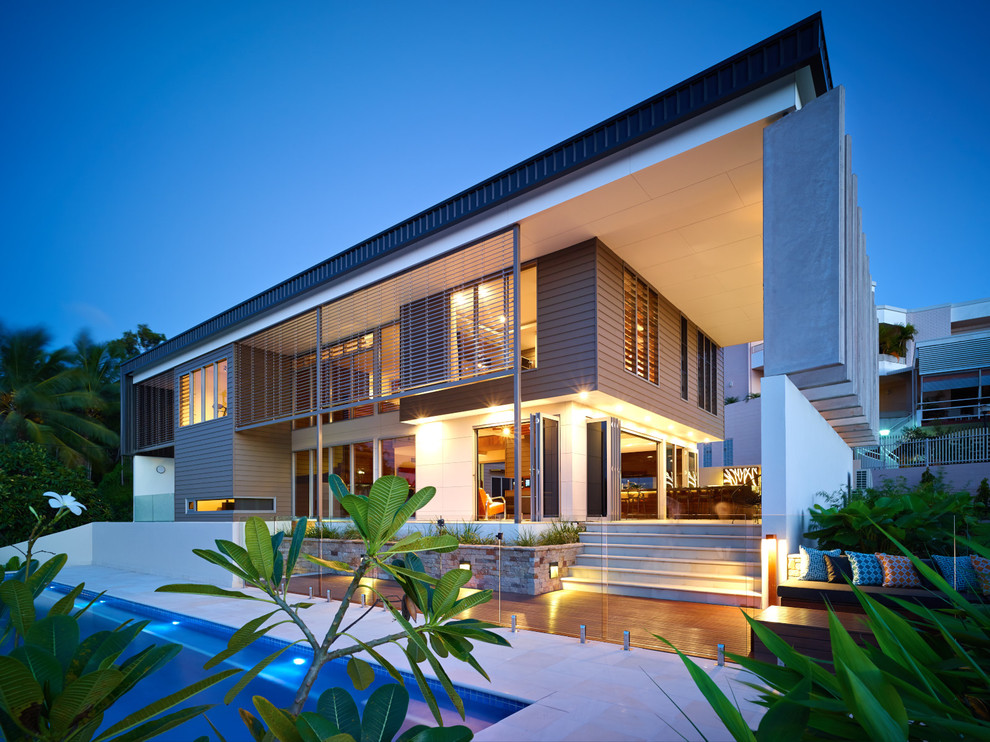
(707, 373)
(203, 394)
(641, 327)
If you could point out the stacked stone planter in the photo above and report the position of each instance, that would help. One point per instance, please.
(525, 569)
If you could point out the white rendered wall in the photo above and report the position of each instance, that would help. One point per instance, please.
(147, 480)
(162, 549)
(802, 455)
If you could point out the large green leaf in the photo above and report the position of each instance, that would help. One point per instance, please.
(468, 602)
(208, 590)
(43, 577)
(360, 672)
(162, 724)
(243, 637)
(107, 651)
(337, 705)
(57, 635)
(43, 666)
(446, 683)
(78, 699)
(448, 589)
(223, 562)
(442, 544)
(253, 672)
(387, 495)
(727, 712)
(378, 658)
(384, 713)
(414, 576)
(787, 718)
(298, 536)
(357, 508)
(164, 704)
(315, 728)
(423, 733)
(238, 554)
(258, 541)
(424, 687)
(21, 696)
(141, 665)
(414, 503)
(64, 605)
(279, 722)
(330, 563)
(20, 602)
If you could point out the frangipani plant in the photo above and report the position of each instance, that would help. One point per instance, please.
(378, 518)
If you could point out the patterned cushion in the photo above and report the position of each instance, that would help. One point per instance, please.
(839, 569)
(813, 564)
(981, 565)
(963, 577)
(898, 571)
(866, 568)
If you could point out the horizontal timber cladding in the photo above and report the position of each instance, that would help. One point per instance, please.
(449, 320)
(204, 452)
(565, 329)
(663, 398)
(263, 465)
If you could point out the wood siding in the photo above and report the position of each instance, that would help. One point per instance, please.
(565, 331)
(204, 453)
(263, 465)
(613, 378)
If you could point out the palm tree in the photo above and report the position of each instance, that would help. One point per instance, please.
(42, 399)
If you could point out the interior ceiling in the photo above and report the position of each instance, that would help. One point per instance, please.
(691, 225)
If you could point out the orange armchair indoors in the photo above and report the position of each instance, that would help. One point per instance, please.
(488, 505)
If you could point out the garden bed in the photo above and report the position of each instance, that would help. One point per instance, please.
(524, 569)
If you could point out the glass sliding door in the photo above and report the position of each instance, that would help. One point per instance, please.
(496, 466)
(639, 476)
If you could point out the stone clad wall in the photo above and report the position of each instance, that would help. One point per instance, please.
(525, 569)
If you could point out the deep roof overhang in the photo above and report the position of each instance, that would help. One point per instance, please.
(797, 47)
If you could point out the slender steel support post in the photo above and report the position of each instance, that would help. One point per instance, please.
(584, 633)
(516, 376)
(310, 592)
(625, 641)
(364, 600)
(319, 418)
(720, 648)
(328, 595)
(513, 627)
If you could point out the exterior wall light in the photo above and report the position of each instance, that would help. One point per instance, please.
(554, 570)
(465, 565)
(160, 469)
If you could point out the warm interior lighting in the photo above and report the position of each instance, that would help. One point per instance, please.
(707, 440)
(690, 434)
(769, 558)
(670, 427)
(618, 408)
(501, 318)
(506, 431)
(647, 418)
(554, 570)
(583, 395)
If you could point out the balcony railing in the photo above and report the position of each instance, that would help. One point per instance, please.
(962, 447)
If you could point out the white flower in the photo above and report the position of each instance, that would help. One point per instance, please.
(58, 502)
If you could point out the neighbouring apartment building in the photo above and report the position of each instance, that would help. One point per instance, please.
(551, 339)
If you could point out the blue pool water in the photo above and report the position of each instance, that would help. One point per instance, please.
(278, 683)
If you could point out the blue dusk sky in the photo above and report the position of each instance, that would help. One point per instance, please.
(163, 161)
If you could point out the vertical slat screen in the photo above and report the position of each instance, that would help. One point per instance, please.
(154, 411)
(449, 320)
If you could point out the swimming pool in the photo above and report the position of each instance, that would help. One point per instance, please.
(278, 682)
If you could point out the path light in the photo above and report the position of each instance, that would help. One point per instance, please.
(465, 565)
(554, 570)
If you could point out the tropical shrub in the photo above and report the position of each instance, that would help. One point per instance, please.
(927, 678)
(377, 517)
(983, 493)
(927, 519)
(27, 470)
(56, 684)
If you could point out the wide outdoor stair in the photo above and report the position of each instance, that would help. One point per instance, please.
(697, 561)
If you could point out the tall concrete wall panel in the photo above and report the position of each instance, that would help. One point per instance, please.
(819, 314)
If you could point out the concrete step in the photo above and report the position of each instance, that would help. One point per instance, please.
(687, 552)
(712, 527)
(663, 578)
(690, 593)
(664, 563)
(672, 539)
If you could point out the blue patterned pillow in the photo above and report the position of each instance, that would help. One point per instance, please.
(866, 568)
(965, 576)
(813, 564)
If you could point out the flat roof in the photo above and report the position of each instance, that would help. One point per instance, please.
(796, 47)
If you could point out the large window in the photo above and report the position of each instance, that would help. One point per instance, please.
(641, 327)
(398, 457)
(203, 394)
(707, 374)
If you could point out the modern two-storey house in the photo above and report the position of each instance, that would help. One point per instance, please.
(547, 343)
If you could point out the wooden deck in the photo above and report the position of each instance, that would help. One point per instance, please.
(694, 628)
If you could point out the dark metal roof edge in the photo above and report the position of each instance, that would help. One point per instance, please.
(602, 139)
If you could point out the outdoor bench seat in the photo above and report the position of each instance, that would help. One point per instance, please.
(809, 594)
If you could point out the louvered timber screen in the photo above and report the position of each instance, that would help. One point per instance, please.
(154, 411)
(276, 372)
(446, 321)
